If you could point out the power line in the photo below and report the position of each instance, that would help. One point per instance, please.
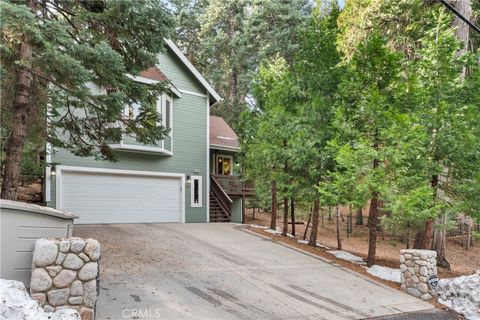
(458, 14)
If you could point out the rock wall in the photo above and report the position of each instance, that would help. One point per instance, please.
(65, 273)
(417, 266)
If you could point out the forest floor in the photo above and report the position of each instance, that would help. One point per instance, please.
(462, 262)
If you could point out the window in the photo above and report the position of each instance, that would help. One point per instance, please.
(196, 192)
(167, 113)
(133, 110)
(224, 165)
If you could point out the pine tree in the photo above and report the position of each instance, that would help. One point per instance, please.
(65, 48)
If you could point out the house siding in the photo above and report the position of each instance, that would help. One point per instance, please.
(237, 210)
(178, 73)
(189, 134)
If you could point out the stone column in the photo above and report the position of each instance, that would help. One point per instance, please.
(65, 274)
(417, 267)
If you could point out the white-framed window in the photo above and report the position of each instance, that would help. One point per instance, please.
(224, 165)
(166, 111)
(133, 110)
(196, 192)
(164, 107)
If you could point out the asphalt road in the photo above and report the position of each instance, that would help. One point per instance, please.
(219, 271)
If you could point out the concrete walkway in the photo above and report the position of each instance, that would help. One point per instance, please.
(219, 271)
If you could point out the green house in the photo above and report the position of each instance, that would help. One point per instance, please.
(177, 180)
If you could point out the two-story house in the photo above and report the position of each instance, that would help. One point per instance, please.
(190, 176)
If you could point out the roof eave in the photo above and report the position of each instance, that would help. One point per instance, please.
(224, 148)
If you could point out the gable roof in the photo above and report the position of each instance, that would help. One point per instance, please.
(193, 70)
(222, 135)
(154, 73)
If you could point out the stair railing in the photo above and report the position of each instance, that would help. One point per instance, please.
(221, 196)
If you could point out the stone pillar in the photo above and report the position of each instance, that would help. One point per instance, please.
(65, 273)
(418, 267)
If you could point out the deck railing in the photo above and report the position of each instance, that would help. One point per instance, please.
(234, 186)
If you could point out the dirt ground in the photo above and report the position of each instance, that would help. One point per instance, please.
(462, 262)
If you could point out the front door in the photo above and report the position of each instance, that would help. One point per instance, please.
(224, 165)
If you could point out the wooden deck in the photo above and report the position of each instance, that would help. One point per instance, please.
(234, 186)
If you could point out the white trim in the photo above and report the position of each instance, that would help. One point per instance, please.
(61, 169)
(200, 192)
(142, 79)
(139, 148)
(175, 91)
(195, 72)
(197, 94)
(224, 148)
(207, 176)
(231, 163)
(171, 125)
(48, 172)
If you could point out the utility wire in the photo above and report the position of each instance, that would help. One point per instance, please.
(458, 14)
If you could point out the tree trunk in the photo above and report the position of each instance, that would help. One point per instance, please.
(350, 220)
(372, 221)
(313, 232)
(292, 210)
(273, 221)
(469, 236)
(464, 7)
(372, 218)
(427, 239)
(308, 224)
(339, 238)
(359, 217)
(329, 212)
(285, 216)
(253, 215)
(322, 214)
(18, 131)
(440, 242)
(285, 199)
(417, 242)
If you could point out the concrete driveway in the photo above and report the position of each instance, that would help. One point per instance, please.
(219, 271)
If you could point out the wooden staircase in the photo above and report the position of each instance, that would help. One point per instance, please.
(220, 203)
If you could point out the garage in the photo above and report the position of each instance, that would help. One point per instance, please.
(99, 196)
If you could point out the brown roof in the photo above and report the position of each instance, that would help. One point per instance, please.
(221, 135)
(154, 74)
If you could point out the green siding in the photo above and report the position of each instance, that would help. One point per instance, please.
(237, 210)
(178, 73)
(189, 153)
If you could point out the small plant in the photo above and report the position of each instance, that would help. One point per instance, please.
(476, 236)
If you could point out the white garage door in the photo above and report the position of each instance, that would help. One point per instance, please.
(120, 198)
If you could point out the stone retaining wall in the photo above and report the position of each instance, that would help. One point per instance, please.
(65, 273)
(417, 266)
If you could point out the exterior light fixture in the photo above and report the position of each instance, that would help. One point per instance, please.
(53, 171)
(189, 179)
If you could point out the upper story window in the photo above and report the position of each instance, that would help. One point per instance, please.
(133, 110)
(166, 111)
(164, 107)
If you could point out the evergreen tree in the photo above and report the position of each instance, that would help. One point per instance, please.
(61, 50)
